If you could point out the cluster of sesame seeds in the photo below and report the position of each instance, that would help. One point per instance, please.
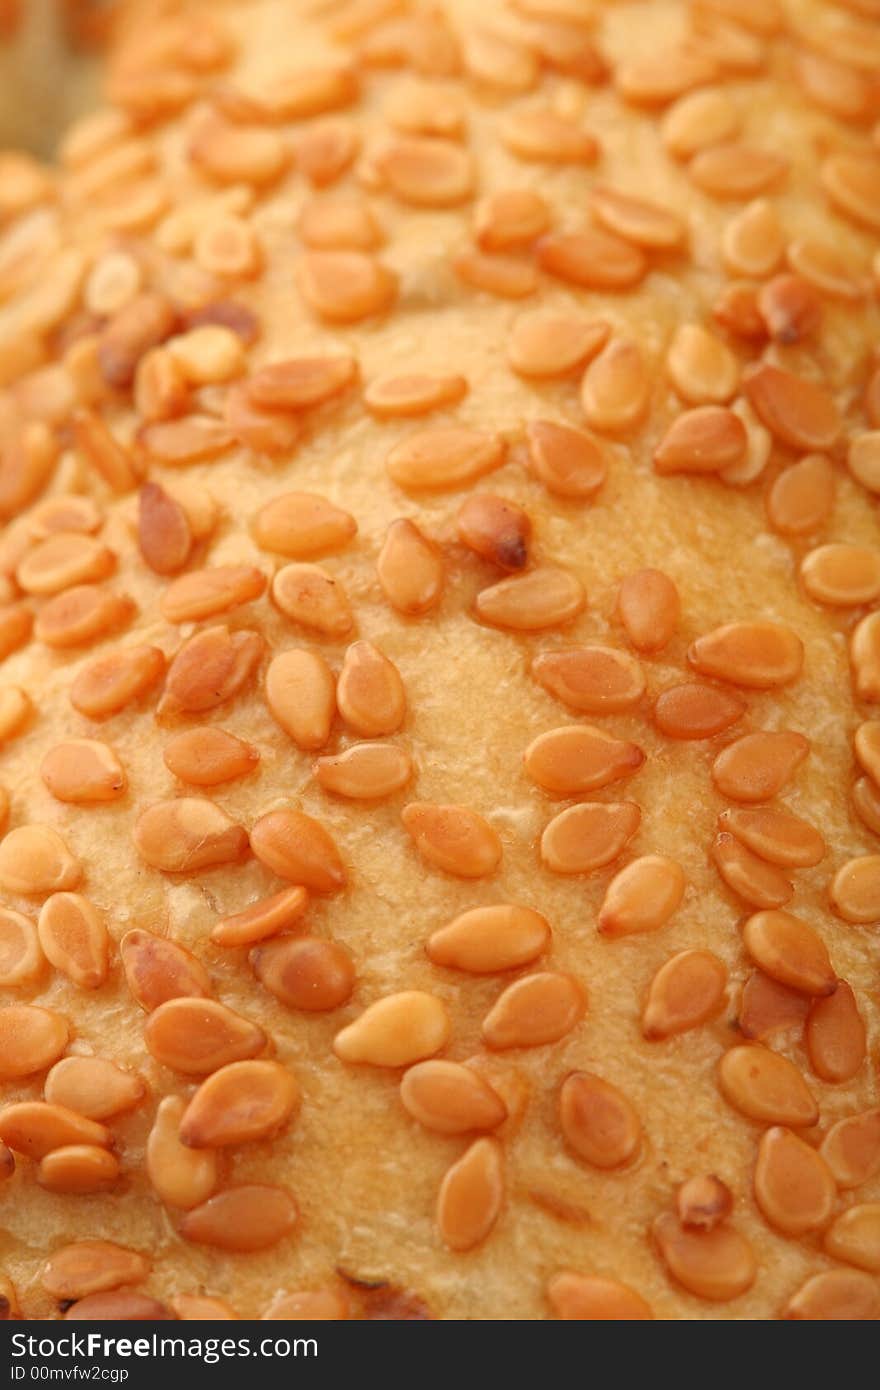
(131, 352)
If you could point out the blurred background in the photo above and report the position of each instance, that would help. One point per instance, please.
(48, 67)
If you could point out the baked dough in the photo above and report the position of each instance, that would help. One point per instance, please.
(202, 122)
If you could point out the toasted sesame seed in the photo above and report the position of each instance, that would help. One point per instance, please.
(835, 1035)
(244, 1218)
(209, 669)
(370, 693)
(198, 1036)
(301, 695)
(649, 606)
(753, 242)
(239, 1103)
(78, 1169)
(297, 847)
(92, 1266)
(94, 1087)
(544, 597)
(392, 396)
(775, 834)
(699, 119)
(261, 919)
(850, 180)
(615, 387)
(471, 1195)
(847, 1295)
(851, 1148)
(542, 344)
(209, 756)
(718, 1265)
(305, 973)
(760, 884)
(755, 655)
(444, 458)
(735, 170)
(800, 498)
(34, 860)
(33, 1039)
(365, 771)
(157, 969)
(81, 615)
(75, 939)
(410, 569)
(580, 758)
(598, 1122)
(687, 991)
(540, 134)
(766, 1087)
(21, 956)
(34, 1128)
(592, 259)
(793, 1186)
(345, 286)
(591, 680)
(643, 223)
(448, 1098)
(766, 1007)
(487, 940)
(642, 897)
(187, 834)
(453, 838)
(510, 218)
(395, 1031)
(569, 462)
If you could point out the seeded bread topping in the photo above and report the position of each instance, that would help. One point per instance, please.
(439, 773)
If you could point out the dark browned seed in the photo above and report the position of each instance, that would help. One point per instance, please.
(790, 307)
(496, 529)
(704, 1202)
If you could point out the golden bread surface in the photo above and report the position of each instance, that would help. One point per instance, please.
(218, 133)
